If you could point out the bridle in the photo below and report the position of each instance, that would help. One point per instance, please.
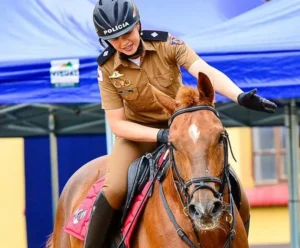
(182, 187)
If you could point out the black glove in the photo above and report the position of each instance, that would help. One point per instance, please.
(252, 101)
(163, 136)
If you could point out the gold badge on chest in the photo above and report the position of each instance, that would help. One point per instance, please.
(119, 82)
(122, 83)
(116, 74)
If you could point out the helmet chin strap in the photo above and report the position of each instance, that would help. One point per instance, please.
(138, 52)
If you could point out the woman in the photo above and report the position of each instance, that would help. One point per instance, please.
(133, 66)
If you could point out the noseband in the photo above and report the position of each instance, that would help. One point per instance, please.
(182, 187)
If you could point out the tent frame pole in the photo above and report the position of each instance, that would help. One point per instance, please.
(54, 162)
(292, 162)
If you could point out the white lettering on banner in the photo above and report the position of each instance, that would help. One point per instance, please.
(116, 28)
(64, 73)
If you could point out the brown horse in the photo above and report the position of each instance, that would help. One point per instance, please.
(194, 200)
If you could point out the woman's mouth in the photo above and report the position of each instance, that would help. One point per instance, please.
(128, 48)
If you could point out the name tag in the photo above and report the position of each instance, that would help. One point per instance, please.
(125, 91)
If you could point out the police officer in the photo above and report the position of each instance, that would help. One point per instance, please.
(133, 64)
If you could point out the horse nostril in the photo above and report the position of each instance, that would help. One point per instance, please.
(215, 208)
(194, 211)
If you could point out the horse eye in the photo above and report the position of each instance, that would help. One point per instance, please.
(221, 139)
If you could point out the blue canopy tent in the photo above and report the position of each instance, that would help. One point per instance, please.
(36, 33)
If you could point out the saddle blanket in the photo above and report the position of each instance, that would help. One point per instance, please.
(77, 225)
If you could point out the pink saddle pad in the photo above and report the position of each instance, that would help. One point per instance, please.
(77, 225)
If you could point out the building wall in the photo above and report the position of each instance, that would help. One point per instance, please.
(240, 139)
(12, 192)
(269, 226)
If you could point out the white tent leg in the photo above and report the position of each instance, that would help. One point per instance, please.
(291, 123)
(109, 137)
(54, 163)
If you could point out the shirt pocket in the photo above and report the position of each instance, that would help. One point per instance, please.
(166, 79)
(169, 82)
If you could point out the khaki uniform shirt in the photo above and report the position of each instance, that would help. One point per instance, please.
(124, 84)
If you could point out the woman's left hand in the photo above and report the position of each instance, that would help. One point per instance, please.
(163, 136)
(253, 101)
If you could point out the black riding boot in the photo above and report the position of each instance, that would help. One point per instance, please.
(101, 223)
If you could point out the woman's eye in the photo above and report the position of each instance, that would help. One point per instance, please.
(128, 33)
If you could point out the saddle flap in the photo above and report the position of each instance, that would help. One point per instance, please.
(139, 173)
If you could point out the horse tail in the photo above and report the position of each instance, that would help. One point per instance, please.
(49, 243)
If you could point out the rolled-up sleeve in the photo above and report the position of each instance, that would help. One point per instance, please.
(179, 51)
(110, 98)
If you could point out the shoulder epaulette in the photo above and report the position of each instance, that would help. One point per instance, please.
(154, 35)
(105, 55)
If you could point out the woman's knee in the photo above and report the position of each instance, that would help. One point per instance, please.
(115, 194)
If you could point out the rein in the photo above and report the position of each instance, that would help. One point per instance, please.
(200, 183)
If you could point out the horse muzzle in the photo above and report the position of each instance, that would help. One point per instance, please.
(205, 215)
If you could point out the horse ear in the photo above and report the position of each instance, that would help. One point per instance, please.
(168, 103)
(205, 88)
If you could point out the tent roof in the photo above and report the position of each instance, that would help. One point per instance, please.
(259, 49)
(268, 28)
(37, 31)
(34, 33)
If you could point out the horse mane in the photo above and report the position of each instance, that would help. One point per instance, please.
(188, 97)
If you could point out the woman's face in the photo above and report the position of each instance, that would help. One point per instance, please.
(127, 43)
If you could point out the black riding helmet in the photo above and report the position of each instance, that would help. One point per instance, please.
(113, 18)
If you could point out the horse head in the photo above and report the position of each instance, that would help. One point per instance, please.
(198, 152)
